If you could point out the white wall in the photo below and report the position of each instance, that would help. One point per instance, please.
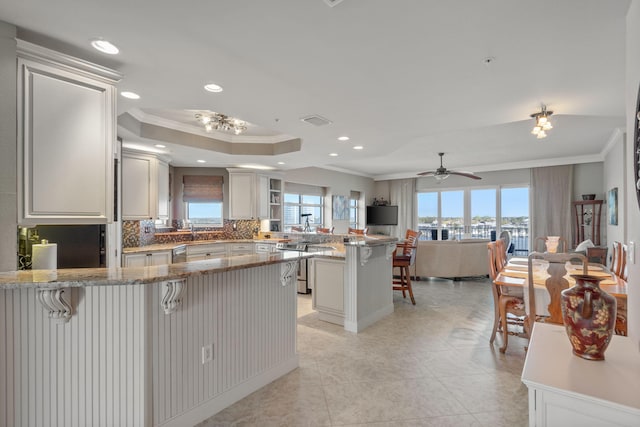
(337, 184)
(588, 179)
(633, 213)
(8, 153)
(614, 177)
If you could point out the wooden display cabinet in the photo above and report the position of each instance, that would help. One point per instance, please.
(587, 221)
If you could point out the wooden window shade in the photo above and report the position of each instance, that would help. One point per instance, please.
(202, 188)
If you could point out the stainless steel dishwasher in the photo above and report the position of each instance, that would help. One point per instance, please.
(179, 254)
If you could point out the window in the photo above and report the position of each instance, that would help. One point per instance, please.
(303, 199)
(473, 213)
(204, 213)
(483, 213)
(354, 210)
(514, 217)
(202, 197)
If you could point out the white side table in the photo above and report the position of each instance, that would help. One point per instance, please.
(566, 390)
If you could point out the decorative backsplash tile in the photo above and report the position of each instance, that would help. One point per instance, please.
(143, 233)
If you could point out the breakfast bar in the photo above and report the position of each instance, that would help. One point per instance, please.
(182, 341)
(166, 345)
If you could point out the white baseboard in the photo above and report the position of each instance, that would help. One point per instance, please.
(210, 408)
(362, 324)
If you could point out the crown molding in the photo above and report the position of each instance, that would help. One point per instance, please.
(51, 57)
(527, 164)
(611, 142)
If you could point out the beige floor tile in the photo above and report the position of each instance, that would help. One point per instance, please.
(425, 365)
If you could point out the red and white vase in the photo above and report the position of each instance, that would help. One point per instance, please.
(589, 316)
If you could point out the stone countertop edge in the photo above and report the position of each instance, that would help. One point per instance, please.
(367, 241)
(120, 276)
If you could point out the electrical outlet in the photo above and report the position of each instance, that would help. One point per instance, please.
(207, 353)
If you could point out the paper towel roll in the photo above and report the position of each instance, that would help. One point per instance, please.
(45, 256)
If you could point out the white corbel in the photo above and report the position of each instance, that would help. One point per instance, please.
(390, 249)
(55, 304)
(365, 254)
(172, 295)
(287, 272)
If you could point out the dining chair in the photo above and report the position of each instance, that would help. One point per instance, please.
(322, 230)
(619, 260)
(541, 242)
(358, 230)
(549, 270)
(403, 257)
(508, 302)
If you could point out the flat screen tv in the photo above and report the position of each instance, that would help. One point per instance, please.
(382, 215)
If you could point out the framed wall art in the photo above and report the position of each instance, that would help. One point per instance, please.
(340, 207)
(613, 206)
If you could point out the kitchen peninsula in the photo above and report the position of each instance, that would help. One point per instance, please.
(166, 345)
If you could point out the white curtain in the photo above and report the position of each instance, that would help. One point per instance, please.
(551, 196)
(402, 192)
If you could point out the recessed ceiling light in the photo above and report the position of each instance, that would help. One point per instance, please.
(201, 161)
(281, 163)
(343, 138)
(333, 154)
(130, 95)
(212, 87)
(104, 46)
(160, 146)
(358, 147)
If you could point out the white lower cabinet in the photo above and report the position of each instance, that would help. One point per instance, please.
(265, 247)
(566, 390)
(241, 248)
(146, 259)
(202, 252)
(326, 278)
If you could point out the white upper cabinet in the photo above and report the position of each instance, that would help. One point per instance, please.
(249, 194)
(242, 195)
(66, 135)
(145, 187)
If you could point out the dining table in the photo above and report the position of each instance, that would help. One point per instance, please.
(515, 274)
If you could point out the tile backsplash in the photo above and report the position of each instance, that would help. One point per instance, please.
(144, 233)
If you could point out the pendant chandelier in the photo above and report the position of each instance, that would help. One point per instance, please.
(542, 123)
(220, 122)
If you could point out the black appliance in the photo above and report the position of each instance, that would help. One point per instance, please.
(79, 246)
(382, 215)
(303, 276)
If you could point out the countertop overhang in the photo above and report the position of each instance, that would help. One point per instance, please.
(81, 277)
(122, 276)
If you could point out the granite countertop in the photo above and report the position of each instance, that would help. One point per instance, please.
(170, 246)
(81, 277)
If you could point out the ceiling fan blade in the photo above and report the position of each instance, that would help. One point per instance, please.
(466, 174)
(430, 173)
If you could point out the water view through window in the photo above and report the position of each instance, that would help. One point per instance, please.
(444, 215)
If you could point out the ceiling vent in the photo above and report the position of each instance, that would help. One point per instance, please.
(316, 120)
(332, 3)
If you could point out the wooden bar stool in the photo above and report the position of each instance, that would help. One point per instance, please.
(403, 258)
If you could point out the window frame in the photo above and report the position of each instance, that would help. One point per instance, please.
(287, 226)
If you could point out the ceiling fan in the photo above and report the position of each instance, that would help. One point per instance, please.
(443, 173)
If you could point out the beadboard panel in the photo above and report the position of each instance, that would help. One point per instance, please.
(86, 372)
(248, 318)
